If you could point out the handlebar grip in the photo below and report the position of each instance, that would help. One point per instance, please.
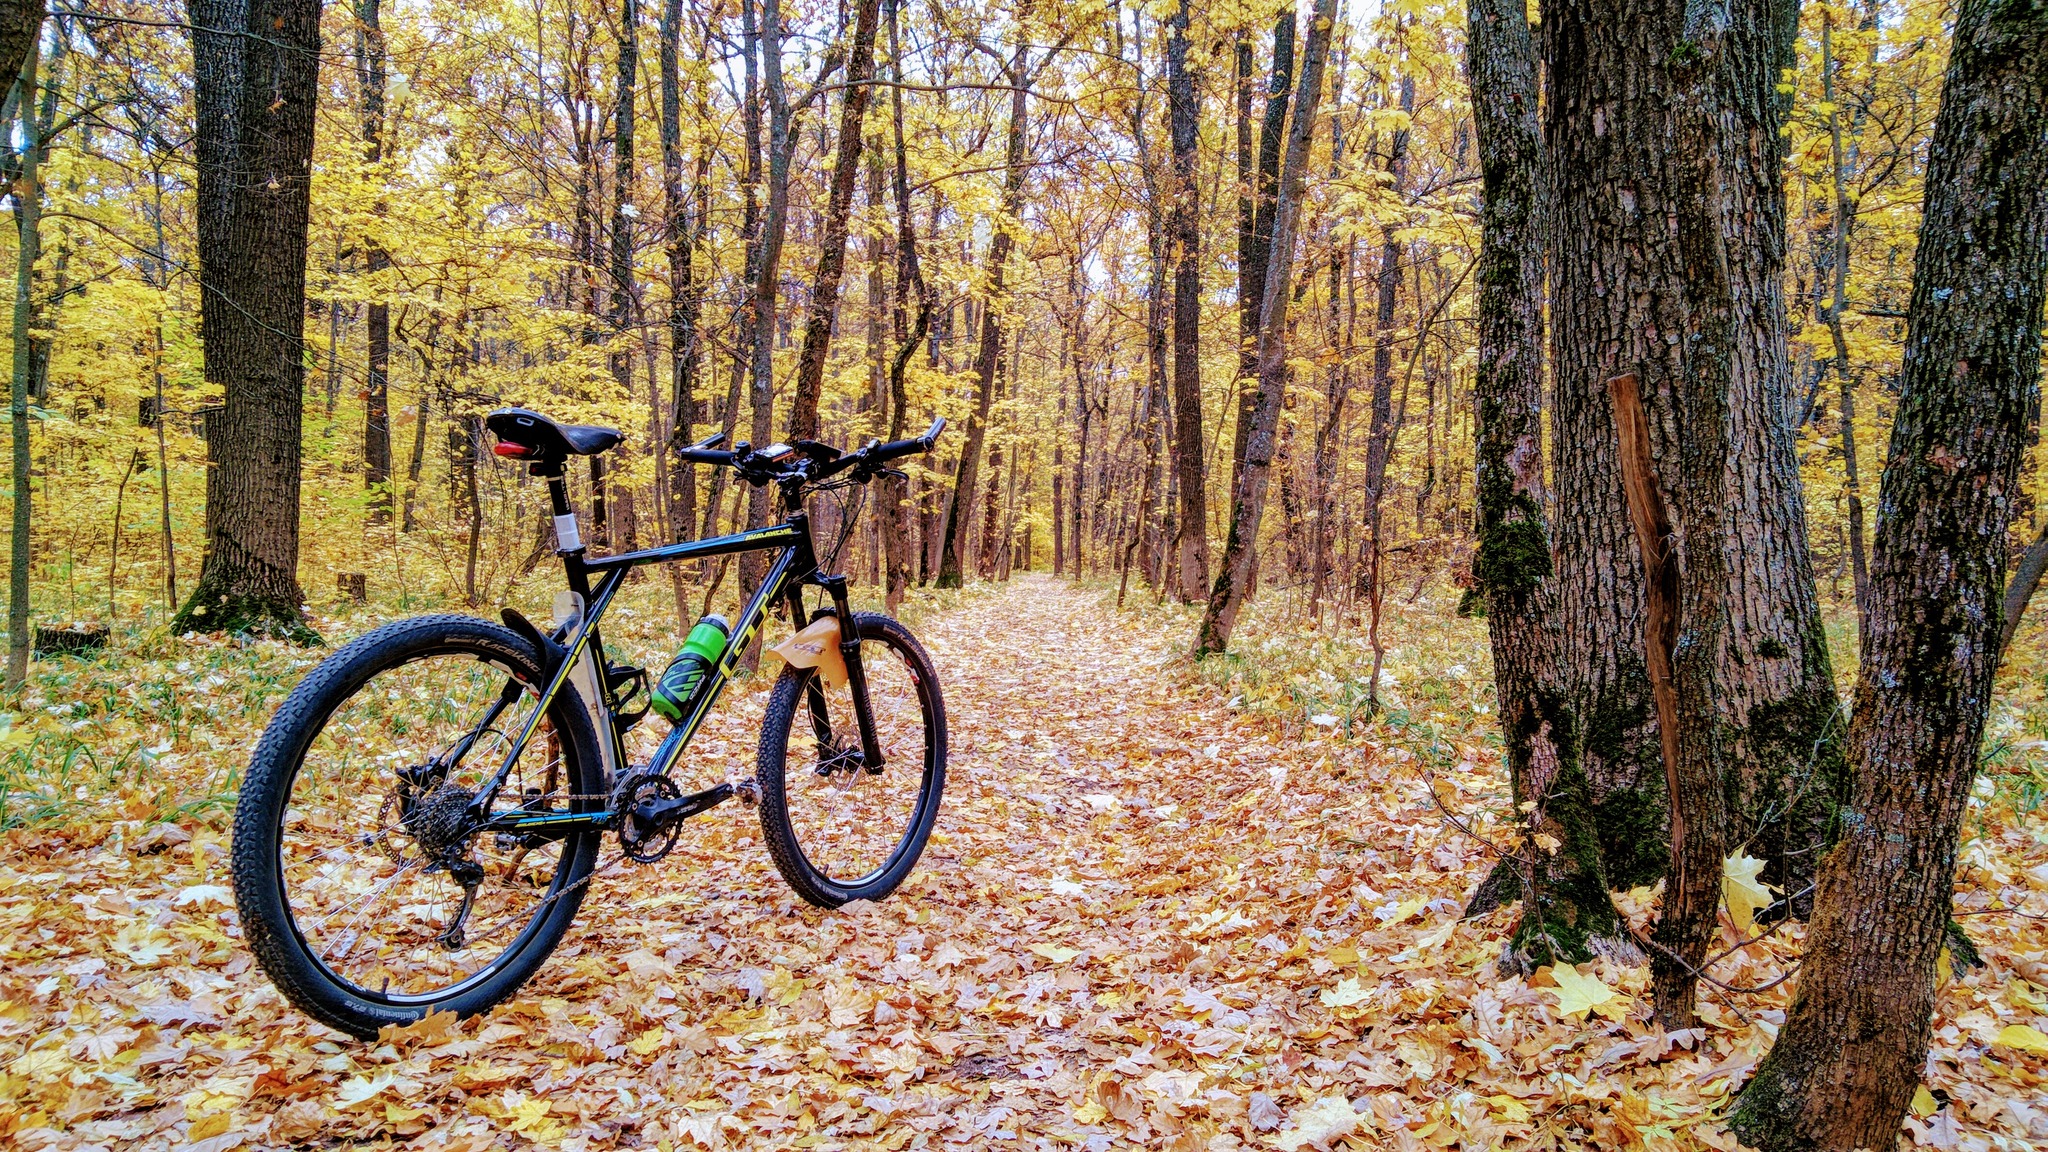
(898, 449)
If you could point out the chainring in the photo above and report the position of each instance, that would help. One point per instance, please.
(641, 841)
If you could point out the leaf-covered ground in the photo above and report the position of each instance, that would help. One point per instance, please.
(1146, 920)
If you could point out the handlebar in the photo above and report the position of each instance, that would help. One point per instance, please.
(705, 451)
(810, 464)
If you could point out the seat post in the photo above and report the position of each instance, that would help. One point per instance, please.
(568, 540)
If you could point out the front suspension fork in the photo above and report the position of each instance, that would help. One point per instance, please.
(856, 680)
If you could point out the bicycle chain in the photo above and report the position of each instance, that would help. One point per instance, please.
(596, 870)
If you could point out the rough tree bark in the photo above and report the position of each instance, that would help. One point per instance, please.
(255, 81)
(377, 372)
(1845, 1066)
(810, 366)
(1618, 282)
(1567, 911)
(20, 25)
(1233, 578)
(1184, 230)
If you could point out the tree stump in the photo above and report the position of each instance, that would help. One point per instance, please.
(76, 640)
(354, 585)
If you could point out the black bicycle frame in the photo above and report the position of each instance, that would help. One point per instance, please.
(795, 567)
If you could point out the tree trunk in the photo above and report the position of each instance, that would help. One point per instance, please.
(896, 510)
(1778, 701)
(21, 26)
(1255, 225)
(377, 373)
(1617, 306)
(2026, 577)
(1233, 579)
(682, 229)
(1841, 215)
(1184, 230)
(1566, 906)
(989, 358)
(810, 369)
(28, 203)
(766, 39)
(1851, 1052)
(1382, 429)
(254, 108)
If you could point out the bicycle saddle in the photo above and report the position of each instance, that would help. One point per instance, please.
(527, 435)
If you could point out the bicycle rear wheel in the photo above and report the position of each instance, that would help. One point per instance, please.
(365, 891)
(838, 829)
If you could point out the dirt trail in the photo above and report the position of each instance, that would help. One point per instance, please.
(1143, 918)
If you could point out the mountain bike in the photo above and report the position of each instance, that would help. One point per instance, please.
(424, 814)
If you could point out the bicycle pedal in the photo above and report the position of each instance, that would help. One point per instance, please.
(748, 792)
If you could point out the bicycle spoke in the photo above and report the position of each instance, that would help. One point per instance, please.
(357, 869)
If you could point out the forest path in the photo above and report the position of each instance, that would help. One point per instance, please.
(1143, 918)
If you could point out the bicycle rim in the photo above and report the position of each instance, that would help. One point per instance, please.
(371, 882)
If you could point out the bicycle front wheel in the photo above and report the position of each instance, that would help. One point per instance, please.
(367, 885)
(838, 828)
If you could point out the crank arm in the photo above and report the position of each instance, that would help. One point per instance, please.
(656, 813)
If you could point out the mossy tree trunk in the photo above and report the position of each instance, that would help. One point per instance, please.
(254, 107)
(1851, 1052)
(1566, 906)
(1617, 305)
(28, 203)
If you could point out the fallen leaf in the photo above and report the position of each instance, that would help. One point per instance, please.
(2024, 1037)
(1579, 994)
(1318, 1124)
(1744, 892)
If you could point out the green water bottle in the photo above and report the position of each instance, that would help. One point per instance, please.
(677, 688)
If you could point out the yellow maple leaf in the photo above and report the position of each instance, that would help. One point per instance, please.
(2023, 1037)
(1578, 994)
(1349, 991)
(1319, 1123)
(1091, 1111)
(645, 1043)
(1745, 894)
(529, 1114)
(1924, 1103)
(1509, 1109)
(357, 1090)
(1055, 952)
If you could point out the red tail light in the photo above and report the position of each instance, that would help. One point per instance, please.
(515, 451)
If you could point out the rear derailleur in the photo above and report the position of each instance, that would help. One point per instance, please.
(436, 815)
